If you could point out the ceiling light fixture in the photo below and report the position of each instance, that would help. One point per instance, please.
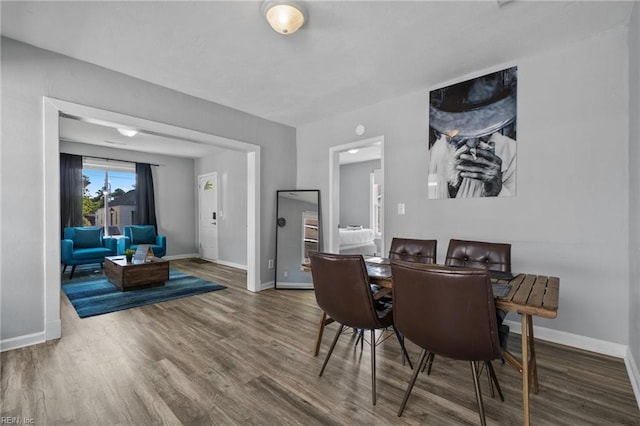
(353, 151)
(285, 17)
(127, 132)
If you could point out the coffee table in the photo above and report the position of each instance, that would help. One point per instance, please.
(129, 276)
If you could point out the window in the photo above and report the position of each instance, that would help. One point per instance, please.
(108, 199)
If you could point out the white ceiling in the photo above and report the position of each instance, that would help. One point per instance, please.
(349, 54)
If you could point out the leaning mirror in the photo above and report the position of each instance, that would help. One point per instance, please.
(298, 233)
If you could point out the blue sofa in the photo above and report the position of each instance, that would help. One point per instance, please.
(142, 234)
(84, 245)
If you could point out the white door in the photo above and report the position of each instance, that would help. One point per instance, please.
(208, 202)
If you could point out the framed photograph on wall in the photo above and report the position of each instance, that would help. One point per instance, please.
(472, 137)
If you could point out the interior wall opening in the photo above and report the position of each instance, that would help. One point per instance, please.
(53, 110)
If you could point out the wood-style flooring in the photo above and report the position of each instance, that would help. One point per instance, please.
(235, 357)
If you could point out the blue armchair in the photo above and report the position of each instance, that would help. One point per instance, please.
(142, 234)
(84, 245)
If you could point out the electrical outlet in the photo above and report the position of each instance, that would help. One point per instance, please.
(286, 274)
(270, 264)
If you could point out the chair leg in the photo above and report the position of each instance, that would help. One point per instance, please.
(64, 268)
(73, 269)
(333, 345)
(416, 371)
(429, 363)
(401, 341)
(494, 378)
(373, 365)
(320, 332)
(476, 383)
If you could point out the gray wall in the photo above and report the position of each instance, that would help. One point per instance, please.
(634, 189)
(173, 184)
(231, 167)
(355, 192)
(28, 74)
(570, 215)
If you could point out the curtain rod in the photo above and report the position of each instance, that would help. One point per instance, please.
(122, 161)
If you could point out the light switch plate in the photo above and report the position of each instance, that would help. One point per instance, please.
(400, 208)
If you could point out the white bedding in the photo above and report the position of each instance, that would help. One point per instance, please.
(356, 237)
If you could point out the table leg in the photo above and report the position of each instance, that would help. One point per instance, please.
(533, 362)
(525, 367)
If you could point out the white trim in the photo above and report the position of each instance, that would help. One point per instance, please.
(51, 196)
(334, 189)
(22, 341)
(267, 285)
(181, 256)
(197, 256)
(574, 340)
(634, 375)
(231, 264)
(297, 286)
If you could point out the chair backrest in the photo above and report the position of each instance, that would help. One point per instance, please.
(342, 290)
(140, 234)
(411, 250)
(479, 254)
(448, 311)
(84, 236)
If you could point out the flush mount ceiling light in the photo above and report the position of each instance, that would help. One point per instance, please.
(353, 151)
(285, 17)
(127, 132)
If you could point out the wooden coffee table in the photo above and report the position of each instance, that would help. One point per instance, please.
(129, 276)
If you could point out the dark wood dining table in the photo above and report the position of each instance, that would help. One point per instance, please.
(528, 295)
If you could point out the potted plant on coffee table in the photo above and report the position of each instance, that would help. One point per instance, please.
(129, 254)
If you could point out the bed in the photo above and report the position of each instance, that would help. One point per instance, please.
(357, 240)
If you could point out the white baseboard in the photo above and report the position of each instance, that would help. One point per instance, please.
(196, 255)
(573, 340)
(634, 375)
(181, 256)
(231, 264)
(297, 286)
(269, 284)
(22, 341)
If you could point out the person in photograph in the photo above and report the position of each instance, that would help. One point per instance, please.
(473, 137)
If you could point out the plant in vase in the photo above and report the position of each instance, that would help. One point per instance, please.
(129, 254)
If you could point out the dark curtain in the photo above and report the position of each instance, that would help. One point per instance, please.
(145, 200)
(71, 189)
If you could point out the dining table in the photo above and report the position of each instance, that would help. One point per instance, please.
(526, 294)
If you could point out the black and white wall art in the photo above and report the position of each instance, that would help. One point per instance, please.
(472, 137)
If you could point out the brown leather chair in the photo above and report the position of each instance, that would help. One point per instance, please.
(479, 254)
(411, 250)
(450, 312)
(341, 286)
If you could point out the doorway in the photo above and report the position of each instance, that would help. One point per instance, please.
(52, 110)
(208, 216)
(357, 152)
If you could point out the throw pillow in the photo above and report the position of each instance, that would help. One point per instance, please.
(87, 237)
(143, 235)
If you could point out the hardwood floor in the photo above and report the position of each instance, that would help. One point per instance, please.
(235, 357)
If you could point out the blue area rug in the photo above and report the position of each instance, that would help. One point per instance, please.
(97, 296)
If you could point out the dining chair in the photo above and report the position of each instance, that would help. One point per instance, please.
(479, 254)
(341, 287)
(449, 312)
(413, 250)
(482, 255)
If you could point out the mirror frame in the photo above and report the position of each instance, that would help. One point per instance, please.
(281, 223)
